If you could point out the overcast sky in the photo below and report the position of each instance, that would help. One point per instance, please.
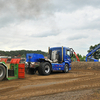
(39, 24)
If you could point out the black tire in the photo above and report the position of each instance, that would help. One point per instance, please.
(66, 68)
(33, 71)
(27, 70)
(40, 69)
(44, 68)
(2, 72)
(30, 71)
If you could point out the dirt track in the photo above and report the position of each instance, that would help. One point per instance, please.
(36, 85)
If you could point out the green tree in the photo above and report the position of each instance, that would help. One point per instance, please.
(23, 56)
(82, 58)
(96, 54)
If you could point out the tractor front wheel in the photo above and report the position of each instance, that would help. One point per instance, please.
(66, 68)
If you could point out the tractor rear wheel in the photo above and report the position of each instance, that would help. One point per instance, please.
(2, 72)
(44, 68)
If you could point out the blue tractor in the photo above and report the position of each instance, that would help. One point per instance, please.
(59, 59)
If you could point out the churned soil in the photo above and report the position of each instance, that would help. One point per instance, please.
(75, 85)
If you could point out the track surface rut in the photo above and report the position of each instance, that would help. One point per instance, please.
(36, 85)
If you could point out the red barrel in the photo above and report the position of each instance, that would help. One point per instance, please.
(21, 70)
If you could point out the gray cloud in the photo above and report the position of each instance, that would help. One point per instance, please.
(19, 10)
(95, 24)
(72, 5)
(24, 8)
(46, 34)
(77, 37)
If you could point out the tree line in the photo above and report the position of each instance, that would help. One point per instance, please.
(21, 53)
(82, 58)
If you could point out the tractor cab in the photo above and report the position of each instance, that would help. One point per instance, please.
(59, 54)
